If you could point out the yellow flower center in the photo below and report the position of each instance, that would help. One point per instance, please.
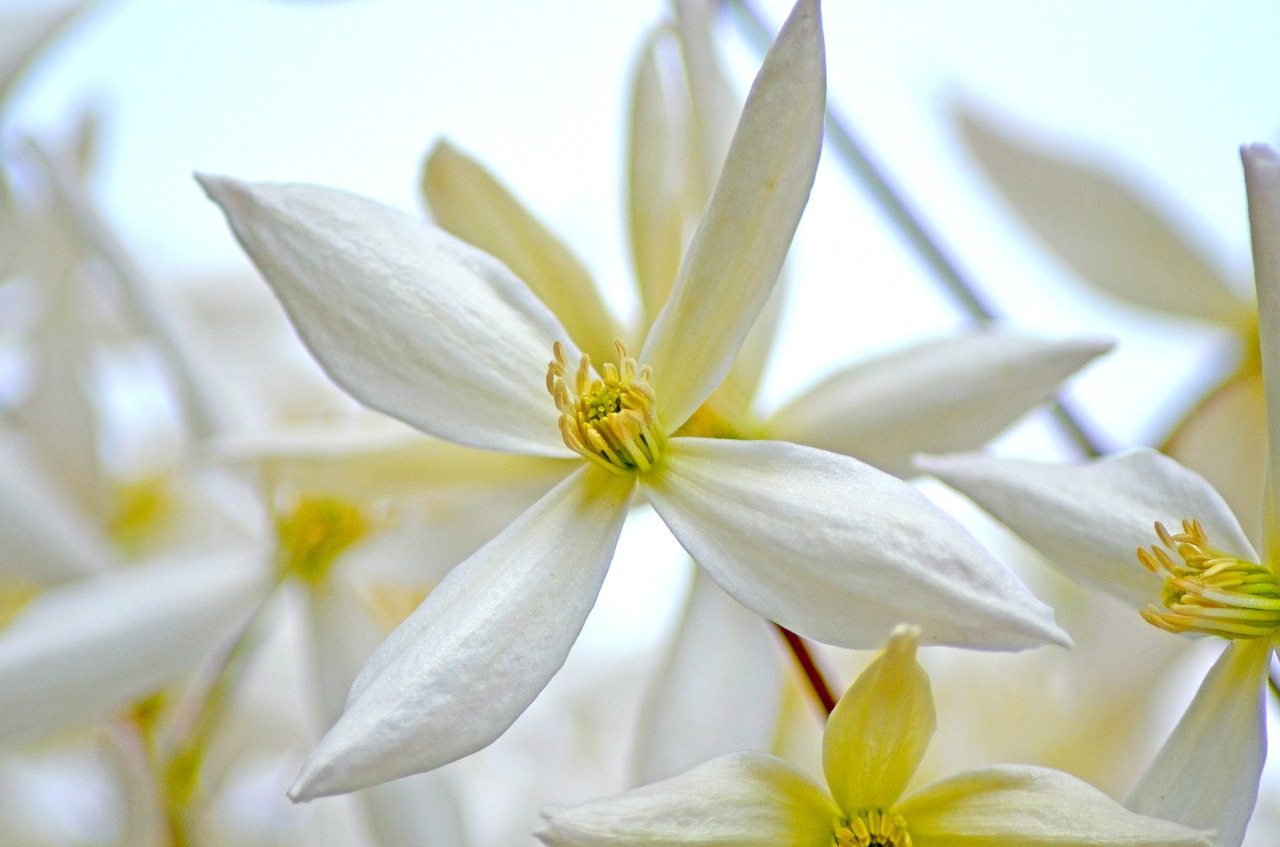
(613, 421)
(872, 828)
(142, 508)
(315, 533)
(15, 592)
(1209, 591)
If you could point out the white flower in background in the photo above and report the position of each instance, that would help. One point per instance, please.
(872, 746)
(1194, 571)
(1121, 242)
(424, 327)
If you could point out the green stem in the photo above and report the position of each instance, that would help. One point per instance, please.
(910, 224)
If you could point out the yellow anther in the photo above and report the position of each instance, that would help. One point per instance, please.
(613, 420)
(872, 828)
(315, 533)
(1209, 591)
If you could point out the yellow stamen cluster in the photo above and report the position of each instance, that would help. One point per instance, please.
(872, 828)
(1209, 591)
(315, 533)
(612, 421)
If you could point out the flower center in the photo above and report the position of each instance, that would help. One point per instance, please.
(315, 533)
(612, 421)
(872, 828)
(1209, 591)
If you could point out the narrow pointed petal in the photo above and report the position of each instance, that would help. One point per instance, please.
(719, 690)
(1206, 775)
(1024, 806)
(1115, 238)
(1230, 465)
(837, 550)
(1262, 184)
(468, 201)
(87, 647)
(467, 663)
(407, 318)
(716, 108)
(1090, 519)
(880, 729)
(941, 396)
(657, 162)
(744, 234)
(747, 799)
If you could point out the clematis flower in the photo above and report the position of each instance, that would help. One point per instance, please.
(873, 743)
(424, 327)
(1195, 570)
(1121, 242)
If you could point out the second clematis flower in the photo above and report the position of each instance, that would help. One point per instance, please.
(1203, 577)
(424, 327)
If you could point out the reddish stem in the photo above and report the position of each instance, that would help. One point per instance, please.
(804, 658)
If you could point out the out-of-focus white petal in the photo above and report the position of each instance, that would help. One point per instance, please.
(716, 109)
(837, 550)
(1262, 184)
(469, 202)
(79, 650)
(1207, 773)
(1112, 236)
(409, 319)
(719, 690)
(1090, 519)
(43, 537)
(879, 731)
(748, 799)
(744, 234)
(467, 663)
(26, 30)
(1231, 465)
(941, 396)
(418, 811)
(1024, 806)
(656, 180)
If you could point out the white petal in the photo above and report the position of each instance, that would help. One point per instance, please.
(1207, 773)
(407, 318)
(744, 234)
(941, 396)
(1115, 238)
(837, 550)
(1024, 806)
(468, 662)
(719, 690)
(26, 30)
(418, 811)
(469, 202)
(747, 799)
(45, 538)
(1090, 519)
(1262, 184)
(79, 650)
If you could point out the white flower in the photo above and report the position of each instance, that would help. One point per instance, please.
(423, 327)
(1205, 575)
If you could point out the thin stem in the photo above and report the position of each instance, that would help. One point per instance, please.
(812, 673)
(910, 224)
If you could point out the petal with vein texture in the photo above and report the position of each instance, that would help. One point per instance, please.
(747, 799)
(407, 318)
(467, 663)
(84, 648)
(1262, 185)
(1113, 237)
(880, 729)
(719, 690)
(742, 239)
(941, 396)
(1024, 806)
(1207, 773)
(468, 201)
(1090, 519)
(837, 550)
